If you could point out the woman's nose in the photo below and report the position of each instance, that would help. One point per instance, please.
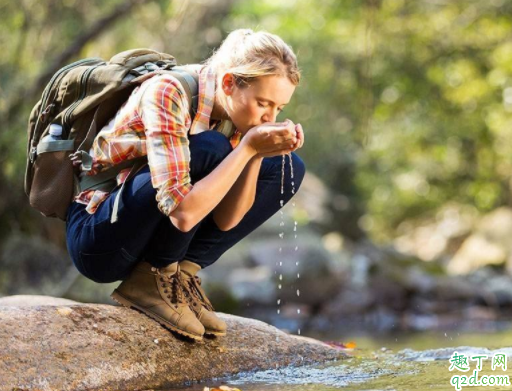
(270, 115)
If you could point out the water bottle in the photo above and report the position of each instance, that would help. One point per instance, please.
(55, 133)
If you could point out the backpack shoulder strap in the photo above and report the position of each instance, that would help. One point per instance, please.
(189, 79)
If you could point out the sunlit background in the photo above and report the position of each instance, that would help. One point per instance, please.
(405, 216)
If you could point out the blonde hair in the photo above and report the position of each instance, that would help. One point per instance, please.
(249, 55)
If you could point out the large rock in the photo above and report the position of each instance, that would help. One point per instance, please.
(33, 301)
(252, 271)
(31, 265)
(476, 251)
(437, 236)
(102, 347)
(488, 245)
(305, 270)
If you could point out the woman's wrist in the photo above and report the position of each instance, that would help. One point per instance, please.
(244, 144)
(257, 158)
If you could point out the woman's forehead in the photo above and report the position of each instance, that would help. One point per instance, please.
(277, 90)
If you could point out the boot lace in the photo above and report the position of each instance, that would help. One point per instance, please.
(193, 287)
(172, 285)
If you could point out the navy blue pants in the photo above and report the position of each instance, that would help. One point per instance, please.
(106, 252)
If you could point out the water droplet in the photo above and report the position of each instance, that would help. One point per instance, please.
(298, 275)
(281, 223)
(280, 250)
(278, 301)
(280, 277)
(278, 311)
(295, 223)
(283, 161)
(445, 335)
(281, 235)
(298, 292)
(279, 286)
(295, 229)
(295, 236)
(298, 331)
(298, 310)
(296, 248)
(280, 263)
(297, 263)
(291, 165)
(281, 202)
(293, 203)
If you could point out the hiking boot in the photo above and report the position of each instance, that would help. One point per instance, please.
(158, 293)
(198, 301)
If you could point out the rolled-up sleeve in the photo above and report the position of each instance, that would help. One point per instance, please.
(164, 111)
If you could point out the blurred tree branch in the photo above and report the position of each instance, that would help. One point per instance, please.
(94, 31)
(27, 91)
(22, 39)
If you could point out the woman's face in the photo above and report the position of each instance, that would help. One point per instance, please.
(259, 102)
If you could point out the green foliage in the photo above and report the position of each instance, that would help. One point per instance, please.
(437, 78)
(406, 105)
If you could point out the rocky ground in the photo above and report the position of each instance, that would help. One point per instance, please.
(52, 344)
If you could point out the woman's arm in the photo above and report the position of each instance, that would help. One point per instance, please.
(239, 198)
(206, 194)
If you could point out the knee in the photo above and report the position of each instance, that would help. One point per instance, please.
(210, 145)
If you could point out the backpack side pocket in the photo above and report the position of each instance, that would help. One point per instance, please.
(52, 178)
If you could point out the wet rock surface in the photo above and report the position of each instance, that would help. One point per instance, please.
(94, 346)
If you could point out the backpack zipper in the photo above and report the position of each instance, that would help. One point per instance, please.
(46, 93)
(45, 108)
(83, 92)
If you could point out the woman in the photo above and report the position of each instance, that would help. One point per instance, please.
(210, 180)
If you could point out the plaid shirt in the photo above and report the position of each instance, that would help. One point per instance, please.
(155, 121)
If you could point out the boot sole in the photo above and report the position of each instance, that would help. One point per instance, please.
(116, 296)
(215, 333)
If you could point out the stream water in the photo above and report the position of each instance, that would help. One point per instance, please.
(279, 263)
(418, 361)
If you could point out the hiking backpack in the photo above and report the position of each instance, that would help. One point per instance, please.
(82, 97)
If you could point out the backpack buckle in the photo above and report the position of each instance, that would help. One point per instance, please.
(152, 67)
(83, 159)
(32, 154)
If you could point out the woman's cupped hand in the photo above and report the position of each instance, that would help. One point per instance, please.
(275, 138)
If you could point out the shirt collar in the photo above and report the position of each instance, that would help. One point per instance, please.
(207, 87)
(206, 98)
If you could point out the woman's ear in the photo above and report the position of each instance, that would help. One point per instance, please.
(228, 83)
